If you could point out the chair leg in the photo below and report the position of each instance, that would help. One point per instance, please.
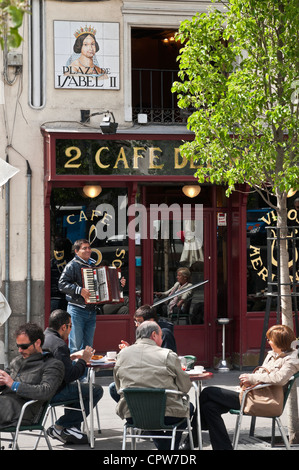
(124, 438)
(190, 435)
(173, 439)
(237, 431)
(98, 419)
(47, 439)
(273, 432)
(283, 434)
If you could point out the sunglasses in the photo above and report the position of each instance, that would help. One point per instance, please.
(25, 345)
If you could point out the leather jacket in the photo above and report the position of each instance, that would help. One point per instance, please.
(70, 281)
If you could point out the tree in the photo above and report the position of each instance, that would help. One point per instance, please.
(239, 74)
(11, 18)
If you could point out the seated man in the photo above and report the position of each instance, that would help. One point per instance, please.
(32, 375)
(154, 367)
(146, 312)
(67, 427)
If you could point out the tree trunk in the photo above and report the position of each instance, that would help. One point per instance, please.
(287, 310)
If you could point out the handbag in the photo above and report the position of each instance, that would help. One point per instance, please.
(265, 402)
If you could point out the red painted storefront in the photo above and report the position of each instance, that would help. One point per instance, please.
(225, 256)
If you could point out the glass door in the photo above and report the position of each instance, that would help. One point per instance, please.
(181, 258)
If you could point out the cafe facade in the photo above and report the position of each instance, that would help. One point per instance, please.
(143, 223)
(114, 128)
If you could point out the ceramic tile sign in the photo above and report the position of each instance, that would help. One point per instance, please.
(86, 55)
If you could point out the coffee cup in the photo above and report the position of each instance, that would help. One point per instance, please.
(111, 355)
(199, 369)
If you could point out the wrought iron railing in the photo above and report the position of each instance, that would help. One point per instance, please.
(151, 95)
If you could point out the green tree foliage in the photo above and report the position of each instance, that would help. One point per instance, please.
(239, 75)
(239, 72)
(11, 18)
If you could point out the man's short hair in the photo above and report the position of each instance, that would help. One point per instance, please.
(58, 318)
(32, 330)
(146, 329)
(80, 242)
(146, 312)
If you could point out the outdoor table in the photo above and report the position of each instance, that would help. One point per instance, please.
(92, 369)
(196, 380)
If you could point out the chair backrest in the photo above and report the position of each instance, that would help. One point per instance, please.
(289, 387)
(147, 407)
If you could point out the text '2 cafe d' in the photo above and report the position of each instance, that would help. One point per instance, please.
(139, 218)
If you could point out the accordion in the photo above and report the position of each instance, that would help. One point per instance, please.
(103, 283)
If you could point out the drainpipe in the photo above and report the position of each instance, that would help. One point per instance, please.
(7, 281)
(29, 176)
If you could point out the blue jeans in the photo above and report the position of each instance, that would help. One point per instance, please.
(72, 417)
(83, 327)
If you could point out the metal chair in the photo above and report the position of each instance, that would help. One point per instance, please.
(68, 405)
(275, 419)
(22, 428)
(147, 408)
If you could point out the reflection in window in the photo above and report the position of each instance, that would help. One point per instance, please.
(102, 221)
(260, 219)
(178, 263)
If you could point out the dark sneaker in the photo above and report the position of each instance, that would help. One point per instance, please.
(55, 434)
(74, 436)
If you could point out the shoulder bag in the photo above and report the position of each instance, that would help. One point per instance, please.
(266, 401)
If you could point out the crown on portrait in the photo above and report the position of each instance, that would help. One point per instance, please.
(85, 30)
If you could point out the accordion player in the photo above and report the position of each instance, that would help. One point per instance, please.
(103, 283)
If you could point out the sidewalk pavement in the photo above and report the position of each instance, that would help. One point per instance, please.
(110, 438)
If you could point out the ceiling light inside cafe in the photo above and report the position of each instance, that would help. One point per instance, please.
(191, 190)
(92, 190)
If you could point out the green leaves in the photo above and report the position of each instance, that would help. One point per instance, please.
(11, 18)
(238, 69)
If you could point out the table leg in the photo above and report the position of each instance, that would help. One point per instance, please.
(197, 388)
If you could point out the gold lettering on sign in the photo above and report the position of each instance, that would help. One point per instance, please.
(152, 157)
(121, 157)
(69, 154)
(178, 165)
(68, 219)
(136, 156)
(255, 252)
(98, 158)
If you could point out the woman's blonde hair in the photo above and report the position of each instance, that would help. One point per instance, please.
(185, 272)
(282, 336)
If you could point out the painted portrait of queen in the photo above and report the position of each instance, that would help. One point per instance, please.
(83, 61)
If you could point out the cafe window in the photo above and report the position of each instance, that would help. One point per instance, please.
(101, 220)
(260, 219)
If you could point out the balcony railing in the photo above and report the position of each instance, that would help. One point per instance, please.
(151, 95)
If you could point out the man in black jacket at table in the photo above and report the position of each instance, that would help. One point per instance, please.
(67, 427)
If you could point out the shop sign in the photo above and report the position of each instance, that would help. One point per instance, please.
(86, 55)
(121, 157)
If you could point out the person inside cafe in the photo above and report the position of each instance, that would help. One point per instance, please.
(281, 363)
(32, 375)
(183, 276)
(67, 428)
(152, 366)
